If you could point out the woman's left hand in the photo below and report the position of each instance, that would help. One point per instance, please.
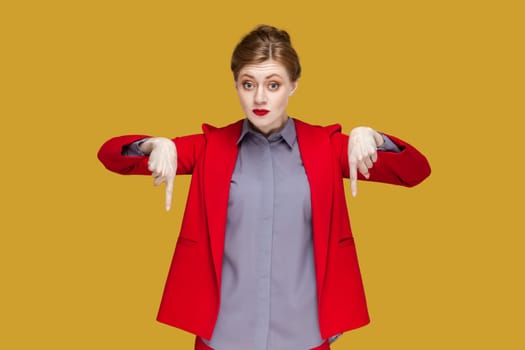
(362, 153)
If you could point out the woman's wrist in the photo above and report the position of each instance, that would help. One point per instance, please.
(379, 139)
(146, 146)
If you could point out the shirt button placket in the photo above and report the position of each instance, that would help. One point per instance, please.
(264, 250)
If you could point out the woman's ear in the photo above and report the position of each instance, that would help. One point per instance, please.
(294, 87)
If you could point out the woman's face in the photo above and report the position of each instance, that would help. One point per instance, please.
(263, 90)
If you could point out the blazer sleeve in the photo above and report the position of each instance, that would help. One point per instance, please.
(110, 154)
(406, 168)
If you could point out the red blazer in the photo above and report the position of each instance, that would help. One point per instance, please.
(192, 293)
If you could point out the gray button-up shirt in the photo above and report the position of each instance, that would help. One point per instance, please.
(268, 289)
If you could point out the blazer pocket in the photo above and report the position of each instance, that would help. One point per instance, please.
(346, 241)
(186, 241)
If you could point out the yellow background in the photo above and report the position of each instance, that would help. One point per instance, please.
(84, 253)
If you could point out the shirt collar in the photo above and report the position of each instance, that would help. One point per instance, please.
(288, 133)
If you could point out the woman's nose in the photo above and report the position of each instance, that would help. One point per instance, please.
(260, 96)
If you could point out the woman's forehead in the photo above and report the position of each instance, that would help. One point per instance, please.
(264, 69)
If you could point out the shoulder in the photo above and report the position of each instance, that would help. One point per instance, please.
(329, 130)
(328, 137)
(196, 143)
(233, 128)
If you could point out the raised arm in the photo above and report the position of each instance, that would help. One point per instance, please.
(363, 158)
(157, 156)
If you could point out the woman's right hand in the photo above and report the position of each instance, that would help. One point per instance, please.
(162, 163)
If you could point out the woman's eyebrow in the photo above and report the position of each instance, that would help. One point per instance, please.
(247, 76)
(273, 75)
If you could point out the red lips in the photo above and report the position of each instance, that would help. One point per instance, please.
(260, 112)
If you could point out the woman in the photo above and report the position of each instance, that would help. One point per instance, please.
(265, 259)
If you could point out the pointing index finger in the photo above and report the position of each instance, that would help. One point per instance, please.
(169, 192)
(353, 177)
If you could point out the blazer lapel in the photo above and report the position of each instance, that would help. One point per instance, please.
(315, 149)
(221, 156)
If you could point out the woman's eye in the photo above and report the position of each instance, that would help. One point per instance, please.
(247, 85)
(273, 86)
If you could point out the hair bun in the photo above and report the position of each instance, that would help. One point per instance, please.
(272, 33)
